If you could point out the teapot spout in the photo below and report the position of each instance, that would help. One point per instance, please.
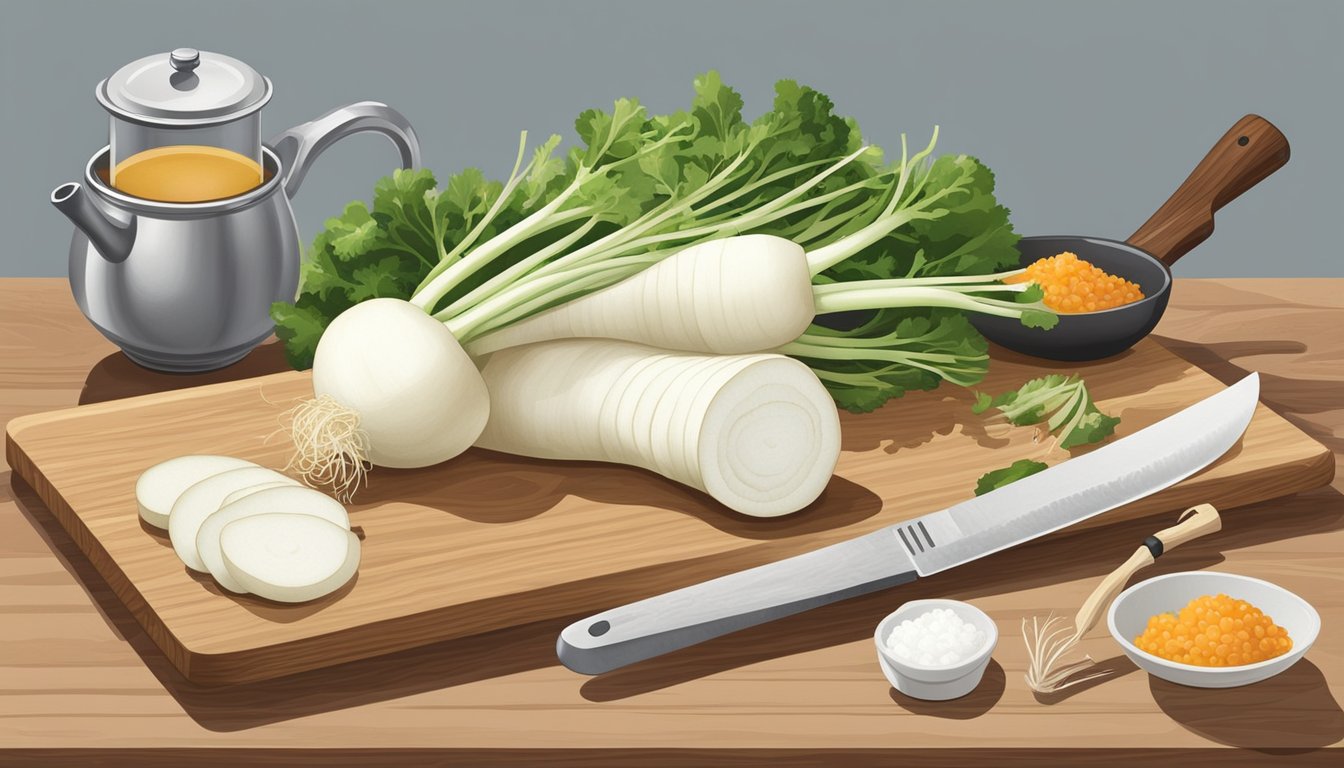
(113, 240)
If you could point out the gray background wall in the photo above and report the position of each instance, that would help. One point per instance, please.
(1091, 113)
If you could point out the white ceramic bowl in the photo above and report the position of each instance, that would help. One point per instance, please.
(1130, 612)
(937, 683)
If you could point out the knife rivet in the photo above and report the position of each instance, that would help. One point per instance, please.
(599, 628)
(1243, 141)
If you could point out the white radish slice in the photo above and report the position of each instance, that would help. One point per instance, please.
(159, 486)
(294, 499)
(289, 558)
(768, 444)
(251, 489)
(204, 499)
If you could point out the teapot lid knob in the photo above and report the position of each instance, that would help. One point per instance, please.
(184, 59)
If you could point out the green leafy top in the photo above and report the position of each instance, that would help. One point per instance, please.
(480, 254)
(1063, 402)
(998, 478)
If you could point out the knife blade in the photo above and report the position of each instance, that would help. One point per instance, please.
(1113, 475)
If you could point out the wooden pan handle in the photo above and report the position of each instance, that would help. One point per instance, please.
(1245, 156)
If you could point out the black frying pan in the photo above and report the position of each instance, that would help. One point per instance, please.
(1245, 155)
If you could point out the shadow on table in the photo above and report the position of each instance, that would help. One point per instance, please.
(117, 376)
(1100, 673)
(1290, 398)
(495, 488)
(1289, 713)
(970, 706)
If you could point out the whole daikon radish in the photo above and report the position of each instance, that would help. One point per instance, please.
(393, 388)
(747, 293)
(737, 294)
(758, 433)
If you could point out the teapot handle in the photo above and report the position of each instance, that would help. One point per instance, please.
(299, 146)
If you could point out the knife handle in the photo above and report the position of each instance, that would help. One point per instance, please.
(1193, 523)
(684, 617)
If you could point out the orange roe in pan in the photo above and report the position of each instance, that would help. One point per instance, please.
(1215, 631)
(1074, 285)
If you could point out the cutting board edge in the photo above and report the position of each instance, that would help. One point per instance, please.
(97, 555)
(18, 424)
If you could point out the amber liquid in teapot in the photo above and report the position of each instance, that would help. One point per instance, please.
(186, 173)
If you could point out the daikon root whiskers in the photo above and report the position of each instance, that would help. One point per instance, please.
(330, 448)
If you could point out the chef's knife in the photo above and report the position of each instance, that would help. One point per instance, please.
(1108, 477)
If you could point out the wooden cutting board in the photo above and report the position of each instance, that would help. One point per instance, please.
(488, 541)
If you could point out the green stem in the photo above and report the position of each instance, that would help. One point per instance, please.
(861, 342)
(515, 271)
(748, 220)
(503, 309)
(824, 258)
(431, 294)
(448, 258)
(846, 297)
(615, 242)
(795, 349)
(515, 178)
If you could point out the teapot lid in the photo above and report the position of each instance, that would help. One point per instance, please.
(186, 87)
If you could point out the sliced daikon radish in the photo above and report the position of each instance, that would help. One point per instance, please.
(292, 499)
(759, 433)
(159, 486)
(289, 558)
(204, 499)
(251, 489)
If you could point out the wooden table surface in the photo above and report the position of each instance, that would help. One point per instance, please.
(81, 683)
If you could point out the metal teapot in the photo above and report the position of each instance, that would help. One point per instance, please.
(184, 234)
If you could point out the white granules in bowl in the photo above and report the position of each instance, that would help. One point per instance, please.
(937, 638)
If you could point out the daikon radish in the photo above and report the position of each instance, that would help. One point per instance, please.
(204, 499)
(758, 433)
(736, 294)
(393, 388)
(292, 500)
(159, 486)
(750, 293)
(289, 558)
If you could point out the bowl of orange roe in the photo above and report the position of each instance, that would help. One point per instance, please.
(1212, 630)
(1107, 294)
